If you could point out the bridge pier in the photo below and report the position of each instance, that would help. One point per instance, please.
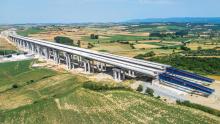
(68, 60)
(101, 66)
(56, 56)
(87, 66)
(118, 74)
(46, 52)
(131, 73)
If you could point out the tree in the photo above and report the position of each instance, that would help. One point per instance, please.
(182, 33)
(199, 48)
(185, 48)
(79, 43)
(149, 91)
(90, 45)
(140, 88)
(155, 34)
(14, 86)
(64, 40)
(93, 36)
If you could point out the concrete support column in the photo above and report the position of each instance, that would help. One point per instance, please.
(118, 74)
(20, 43)
(24, 44)
(46, 52)
(79, 58)
(56, 56)
(72, 61)
(32, 48)
(28, 47)
(38, 49)
(131, 73)
(68, 60)
(87, 66)
(101, 66)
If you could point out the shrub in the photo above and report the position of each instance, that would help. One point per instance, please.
(30, 82)
(93, 36)
(102, 86)
(140, 88)
(90, 45)
(142, 56)
(185, 48)
(149, 91)
(158, 97)
(14, 86)
(64, 40)
(132, 46)
(200, 107)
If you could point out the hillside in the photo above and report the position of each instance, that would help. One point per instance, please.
(179, 20)
(59, 97)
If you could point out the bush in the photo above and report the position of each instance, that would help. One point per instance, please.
(102, 86)
(202, 52)
(142, 56)
(64, 40)
(149, 91)
(7, 52)
(14, 86)
(132, 46)
(30, 82)
(90, 45)
(185, 48)
(200, 107)
(93, 36)
(140, 88)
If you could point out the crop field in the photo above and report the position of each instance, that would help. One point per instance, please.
(27, 32)
(21, 73)
(58, 97)
(194, 46)
(155, 28)
(4, 45)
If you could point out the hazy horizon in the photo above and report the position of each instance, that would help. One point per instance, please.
(73, 11)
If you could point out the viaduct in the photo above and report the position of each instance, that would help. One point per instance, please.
(91, 61)
(120, 67)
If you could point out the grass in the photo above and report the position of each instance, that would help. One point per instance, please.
(62, 98)
(127, 38)
(200, 107)
(20, 73)
(7, 52)
(154, 28)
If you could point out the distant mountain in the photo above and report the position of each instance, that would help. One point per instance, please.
(179, 20)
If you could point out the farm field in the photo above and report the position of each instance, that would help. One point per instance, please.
(4, 45)
(61, 98)
(6, 48)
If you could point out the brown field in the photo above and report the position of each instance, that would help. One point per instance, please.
(144, 41)
(5, 45)
(194, 46)
(145, 46)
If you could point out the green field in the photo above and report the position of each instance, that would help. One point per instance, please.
(28, 31)
(156, 28)
(61, 98)
(20, 74)
(6, 52)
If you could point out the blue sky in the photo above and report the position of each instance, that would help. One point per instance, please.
(69, 11)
